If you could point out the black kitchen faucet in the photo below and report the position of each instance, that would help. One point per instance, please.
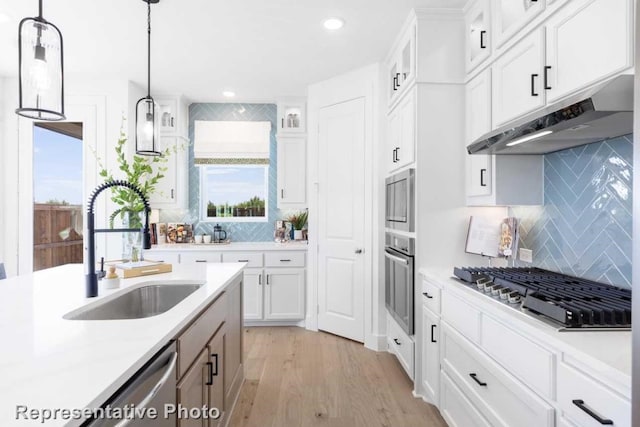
(91, 278)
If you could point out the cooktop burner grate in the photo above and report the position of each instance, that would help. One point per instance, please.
(572, 301)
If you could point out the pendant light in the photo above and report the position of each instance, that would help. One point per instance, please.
(147, 123)
(40, 69)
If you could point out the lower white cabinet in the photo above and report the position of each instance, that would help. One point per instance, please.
(430, 355)
(253, 293)
(401, 345)
(199, 257)
(284, 294)
(456, 409)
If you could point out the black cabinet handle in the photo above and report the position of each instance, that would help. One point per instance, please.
(285, 260)
(546, 77)
(394, 156)
(210, 373)
(215, 373)
(427, 295)
(533, 83)
(201, 260)
(395, 340)
(482, 172)
(475, 378)
(433, 327)
(580, 404)
(482, 45)
(172, 193)
(282, 123)
(243, 260)
(395, 82)
(282, 193)
(397, 156)
(259, 279)
(267, 279)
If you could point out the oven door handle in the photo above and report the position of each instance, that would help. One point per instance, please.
(395, 258)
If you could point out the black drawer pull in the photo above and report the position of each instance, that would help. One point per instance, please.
(395, 340)
(580, 404)
(215, 373)
(482, 45)
(210, 373)
(482, 172)
(546, 77)
(243, 260)
(201, 260)
(475, 378)
(285, 260)
(433, 327)
(533, 84)
(427, 295)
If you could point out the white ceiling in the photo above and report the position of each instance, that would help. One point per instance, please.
(261, 49)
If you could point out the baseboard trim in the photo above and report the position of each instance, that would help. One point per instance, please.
(252, 323)
(376, 342)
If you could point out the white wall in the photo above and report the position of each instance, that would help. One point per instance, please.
(361, 83)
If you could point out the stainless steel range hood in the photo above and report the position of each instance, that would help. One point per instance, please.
(601, 112)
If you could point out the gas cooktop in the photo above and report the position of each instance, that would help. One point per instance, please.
(570, 302)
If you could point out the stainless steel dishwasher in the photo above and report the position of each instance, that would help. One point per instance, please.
(151, 387)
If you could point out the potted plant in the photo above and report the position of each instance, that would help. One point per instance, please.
(298, 220)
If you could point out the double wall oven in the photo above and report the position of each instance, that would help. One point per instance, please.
(400, 196)
(399, 287)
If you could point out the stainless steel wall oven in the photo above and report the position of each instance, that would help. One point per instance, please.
(400, 196)
(399, 252)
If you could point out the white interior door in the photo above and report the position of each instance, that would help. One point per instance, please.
(341, 219)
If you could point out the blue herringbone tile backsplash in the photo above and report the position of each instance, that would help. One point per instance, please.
(240, 232)
(584, 227)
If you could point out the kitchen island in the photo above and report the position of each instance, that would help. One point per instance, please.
(48, 362)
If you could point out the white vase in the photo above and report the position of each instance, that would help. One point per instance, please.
(297, 234)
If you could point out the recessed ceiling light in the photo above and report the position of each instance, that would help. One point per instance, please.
(333, 24)
(228, 94)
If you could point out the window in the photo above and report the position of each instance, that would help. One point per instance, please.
(234, 193)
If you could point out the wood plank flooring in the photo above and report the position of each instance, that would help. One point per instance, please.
(299, 378)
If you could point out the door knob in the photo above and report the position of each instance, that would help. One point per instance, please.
(358, 251)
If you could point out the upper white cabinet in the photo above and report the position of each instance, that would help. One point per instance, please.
(478, 33)
(291, 116)
(604, 46)
(172, 191)
(518, 86)
(509, 16)
(402, 65)
(292, 159)
(401, 143)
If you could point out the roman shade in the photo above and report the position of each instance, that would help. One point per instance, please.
(231, 142)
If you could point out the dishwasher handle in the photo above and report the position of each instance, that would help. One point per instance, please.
(154, 391)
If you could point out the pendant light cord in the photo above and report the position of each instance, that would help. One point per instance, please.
(40, 9)
(148, 48)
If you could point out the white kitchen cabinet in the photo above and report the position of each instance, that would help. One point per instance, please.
(517, 80)
(292, 159)
(402, 65)
(478, 34)
(172, 191)
(284, 294)
(401, 345)
(401, 144)
(431, 355)
(291, 116)
(173, 115)
(456, 408)
(478, 116)
(199, 257)
(510, 16)
(603, 49)
(253, 286)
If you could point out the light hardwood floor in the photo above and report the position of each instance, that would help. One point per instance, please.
(298, 378)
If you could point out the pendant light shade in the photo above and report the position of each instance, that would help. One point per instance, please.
(40, 69)
(147, 120)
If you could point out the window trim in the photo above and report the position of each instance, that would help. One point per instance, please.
(234, 219)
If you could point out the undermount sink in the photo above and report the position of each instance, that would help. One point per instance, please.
(146, 301)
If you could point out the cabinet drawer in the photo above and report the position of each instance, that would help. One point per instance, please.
(254, 259)
(401, 345)
(431, 296)
(499, 396)
(187, 258)
(284, 259)
(162, 256)
(510, 349)
(195, 338)
(583, 400)
(456, 409)
(462, 316)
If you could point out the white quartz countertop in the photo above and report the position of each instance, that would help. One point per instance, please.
(234, 246)
(607, 352)
(47, 362)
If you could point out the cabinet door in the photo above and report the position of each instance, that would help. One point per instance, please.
(456, 408)
(604, 46)
(394, 78)
(199, 257)
(393, 140)
(216, 372)
(478, 117)
(291, 172)
(165, 192)
(163, 256)
(405, 154)
(253, 285)
(510, 16)
(478, 41)
(233, 343)
(517, 80)
(407, 58)
(431, 355)
(193, 391)
(284, 294)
